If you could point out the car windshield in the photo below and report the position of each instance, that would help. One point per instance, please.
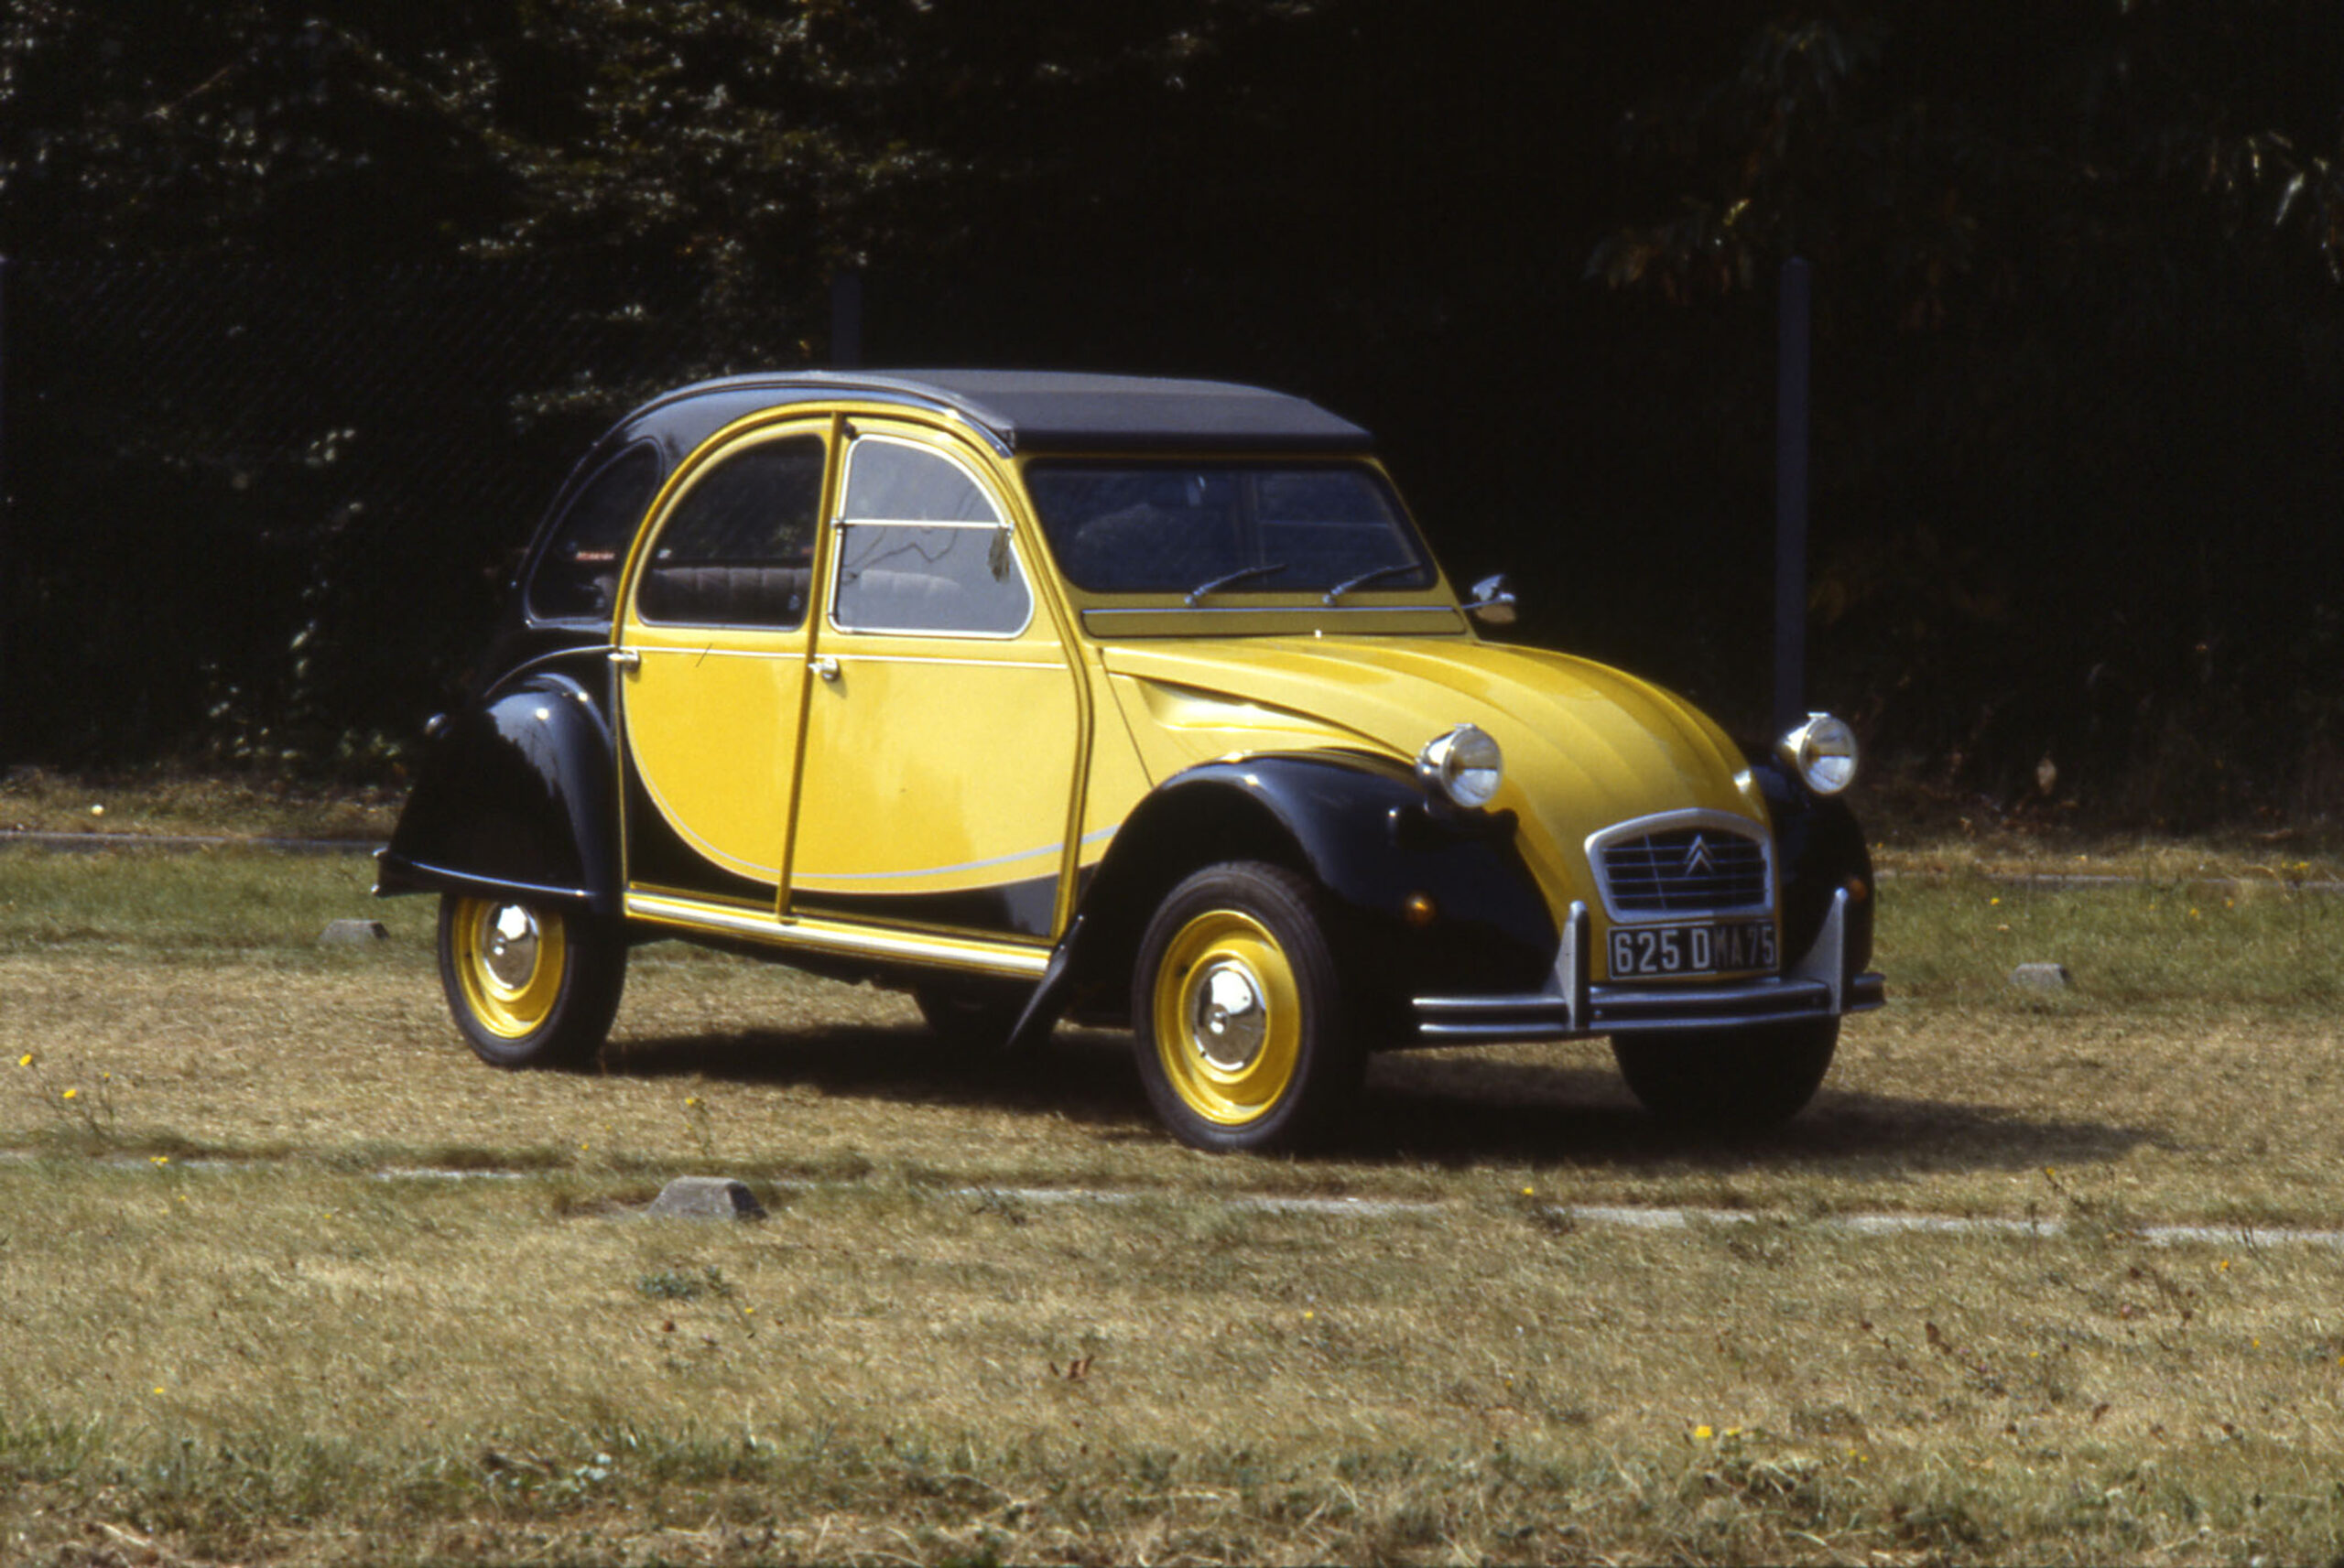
(1197, 528)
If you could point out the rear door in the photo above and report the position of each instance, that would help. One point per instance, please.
(713, 649)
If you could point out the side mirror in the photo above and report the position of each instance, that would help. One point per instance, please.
(1492, 602)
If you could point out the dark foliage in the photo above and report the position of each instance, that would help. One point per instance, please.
(309, 314)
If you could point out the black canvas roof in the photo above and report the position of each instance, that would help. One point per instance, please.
(1029, 411)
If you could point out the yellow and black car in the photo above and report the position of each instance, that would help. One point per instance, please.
(1135, 700)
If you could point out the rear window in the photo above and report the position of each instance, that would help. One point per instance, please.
(578, 575)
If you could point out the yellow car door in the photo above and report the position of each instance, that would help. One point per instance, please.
(943, 734)
(712, 645)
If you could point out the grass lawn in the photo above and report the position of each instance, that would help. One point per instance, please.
(253, 1319)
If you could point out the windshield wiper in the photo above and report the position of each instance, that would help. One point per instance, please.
(1363, 578)
(1226, 579)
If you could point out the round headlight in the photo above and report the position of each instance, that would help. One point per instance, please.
(1822, 751)
(1464, 765)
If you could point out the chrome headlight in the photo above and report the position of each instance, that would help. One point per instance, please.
(1465, 766)
(1822, 753)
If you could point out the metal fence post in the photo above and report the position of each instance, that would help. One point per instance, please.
(6, 575)
(1795, 351)
(846, 320)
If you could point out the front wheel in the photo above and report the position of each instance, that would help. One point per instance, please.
(1729, 1080)
(531, 985)
(1240, 1024)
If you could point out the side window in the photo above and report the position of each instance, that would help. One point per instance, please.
(738, 549)
(922, 549)
(578, 575)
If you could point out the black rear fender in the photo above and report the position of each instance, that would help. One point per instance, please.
(515, 796)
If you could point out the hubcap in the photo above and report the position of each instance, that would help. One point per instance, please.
(509, 943)
(1227, 1016)
(509, 962)
(1229, 1022)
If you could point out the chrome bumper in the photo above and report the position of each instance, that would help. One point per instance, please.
(1817, 986)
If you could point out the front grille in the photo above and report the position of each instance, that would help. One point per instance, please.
(1685, 871)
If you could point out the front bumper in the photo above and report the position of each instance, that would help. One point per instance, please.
(1817, 986)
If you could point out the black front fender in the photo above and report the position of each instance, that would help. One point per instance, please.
(1820, 850)
(1361, 828)
(515, 796)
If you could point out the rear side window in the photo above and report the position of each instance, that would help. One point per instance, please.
(738, 549)
(921, 548)
(578, 575)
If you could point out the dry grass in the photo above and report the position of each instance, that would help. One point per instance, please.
(168, 801)
(266, 1366)
(197, 982)
(354, 1369)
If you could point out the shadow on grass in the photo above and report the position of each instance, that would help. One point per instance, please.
(1455, 1110)
(1450, 1109)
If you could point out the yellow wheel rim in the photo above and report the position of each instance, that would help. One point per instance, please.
(1228, 1018)
(509, 960)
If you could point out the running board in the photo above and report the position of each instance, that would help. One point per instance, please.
(973, 955)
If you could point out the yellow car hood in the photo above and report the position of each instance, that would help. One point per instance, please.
(1586, 746)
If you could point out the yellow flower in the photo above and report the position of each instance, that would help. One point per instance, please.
(25, 1060)
(1994, 899)
(160, 1160)
(1701, 1434)
(70, 1093)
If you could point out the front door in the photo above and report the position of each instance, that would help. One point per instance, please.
(713, 643)
(942, 735)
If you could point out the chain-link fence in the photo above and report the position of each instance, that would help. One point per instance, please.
(262, 509)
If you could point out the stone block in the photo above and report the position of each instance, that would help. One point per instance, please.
(2043, 977)
(355, 933)
(706, 1197)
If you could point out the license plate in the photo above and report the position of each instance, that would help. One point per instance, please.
(1711, 947)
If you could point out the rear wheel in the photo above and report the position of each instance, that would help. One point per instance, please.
(1242, 1025)
(530, 984)
(1729, 1080)
(976, 1018)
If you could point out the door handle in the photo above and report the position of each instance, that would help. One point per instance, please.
(624, 658)
(824, 665)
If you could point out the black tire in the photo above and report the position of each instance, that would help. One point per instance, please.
(1240, 1021)
(530, 984)
(973, 1017)
(1729, 1080)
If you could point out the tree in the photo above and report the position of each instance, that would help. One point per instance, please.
(2078, 293)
